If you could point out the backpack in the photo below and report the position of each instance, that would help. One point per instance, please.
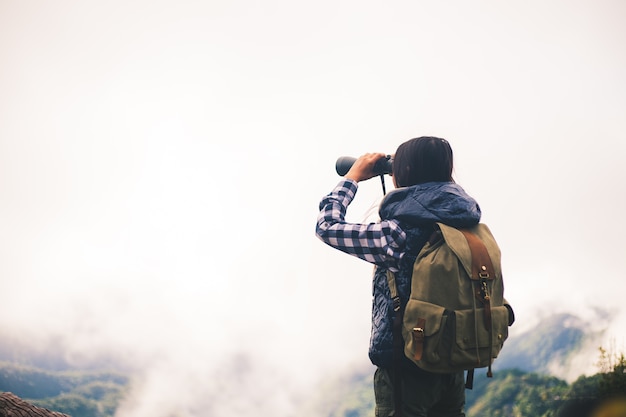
(456, 318)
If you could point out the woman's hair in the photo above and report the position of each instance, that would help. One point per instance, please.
(421, 160)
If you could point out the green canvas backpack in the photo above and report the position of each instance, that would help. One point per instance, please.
(456, 317)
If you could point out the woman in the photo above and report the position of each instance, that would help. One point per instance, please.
(425, 193)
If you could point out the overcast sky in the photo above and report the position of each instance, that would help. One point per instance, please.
(161, 164)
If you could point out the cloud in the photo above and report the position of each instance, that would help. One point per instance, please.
(161, 166)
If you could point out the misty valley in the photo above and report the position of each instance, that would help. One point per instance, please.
(524, 382)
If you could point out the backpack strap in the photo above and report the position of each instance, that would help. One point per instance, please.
(482, 271)
(398, 343)
(393, 290)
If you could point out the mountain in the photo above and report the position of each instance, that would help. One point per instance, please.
(51, 356)
(551, 344)
(77, 393)
(523, 383)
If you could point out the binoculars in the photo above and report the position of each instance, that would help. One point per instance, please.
(382, 166)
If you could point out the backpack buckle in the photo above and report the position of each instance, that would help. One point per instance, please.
(483, 273)
(396, 304)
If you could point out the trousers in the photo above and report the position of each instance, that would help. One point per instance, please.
(424, 394)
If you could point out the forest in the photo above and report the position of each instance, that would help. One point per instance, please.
(510, 392)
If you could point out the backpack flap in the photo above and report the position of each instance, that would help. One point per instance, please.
(474, 342)
(443, 341)
(423, 331)
(458, 243)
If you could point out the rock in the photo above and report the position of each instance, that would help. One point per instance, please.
(13, 406)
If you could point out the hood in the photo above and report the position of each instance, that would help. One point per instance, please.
(423, 204)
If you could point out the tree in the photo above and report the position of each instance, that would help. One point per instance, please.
(589, 396)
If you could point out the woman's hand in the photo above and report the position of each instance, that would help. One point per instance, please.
(363, 167)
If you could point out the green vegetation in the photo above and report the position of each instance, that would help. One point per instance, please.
(354, 401)
(77, 393)
(510, 393)
(587, 394)
(515, 393)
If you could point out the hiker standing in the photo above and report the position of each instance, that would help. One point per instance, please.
(425, 194)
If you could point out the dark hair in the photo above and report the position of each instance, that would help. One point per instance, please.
(421, 160)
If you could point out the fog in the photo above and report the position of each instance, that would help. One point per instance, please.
(161, 164)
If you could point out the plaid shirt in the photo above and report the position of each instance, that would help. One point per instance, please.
(381, 243)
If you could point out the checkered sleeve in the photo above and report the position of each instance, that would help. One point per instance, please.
(379, 243)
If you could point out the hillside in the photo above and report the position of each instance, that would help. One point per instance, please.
(509, 393)
(552, 344)
(77, 393)
(521, 386)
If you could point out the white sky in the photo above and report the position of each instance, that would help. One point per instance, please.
(161, 164)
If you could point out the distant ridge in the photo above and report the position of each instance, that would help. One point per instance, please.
(75, 393)
(552, 344)
(52, 356)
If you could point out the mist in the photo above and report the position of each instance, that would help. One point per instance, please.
(161, 166)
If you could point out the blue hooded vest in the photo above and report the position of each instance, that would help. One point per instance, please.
(416, 208)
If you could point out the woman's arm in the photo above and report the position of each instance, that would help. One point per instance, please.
(379, 243)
